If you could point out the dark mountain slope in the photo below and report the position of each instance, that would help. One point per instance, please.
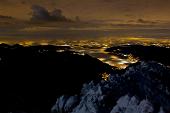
(33, 77)
(147, 53)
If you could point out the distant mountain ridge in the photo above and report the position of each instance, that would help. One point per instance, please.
(147, 53)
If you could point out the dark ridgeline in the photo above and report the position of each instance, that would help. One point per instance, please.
(33, 77)
(146, 53)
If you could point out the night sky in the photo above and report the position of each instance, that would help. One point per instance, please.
(92, 9)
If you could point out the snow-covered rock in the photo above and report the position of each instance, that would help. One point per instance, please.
(161, 110)
(64, 104)
(127, 104)
(141, 88)
(91, 99)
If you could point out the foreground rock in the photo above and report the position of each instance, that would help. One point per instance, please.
(141, 88)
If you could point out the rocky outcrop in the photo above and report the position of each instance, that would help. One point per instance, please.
(141, 88)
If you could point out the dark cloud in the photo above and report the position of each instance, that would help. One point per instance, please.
(142, 21)
(42, 14)
(57, 15)
(5, 17)
(39, 13)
